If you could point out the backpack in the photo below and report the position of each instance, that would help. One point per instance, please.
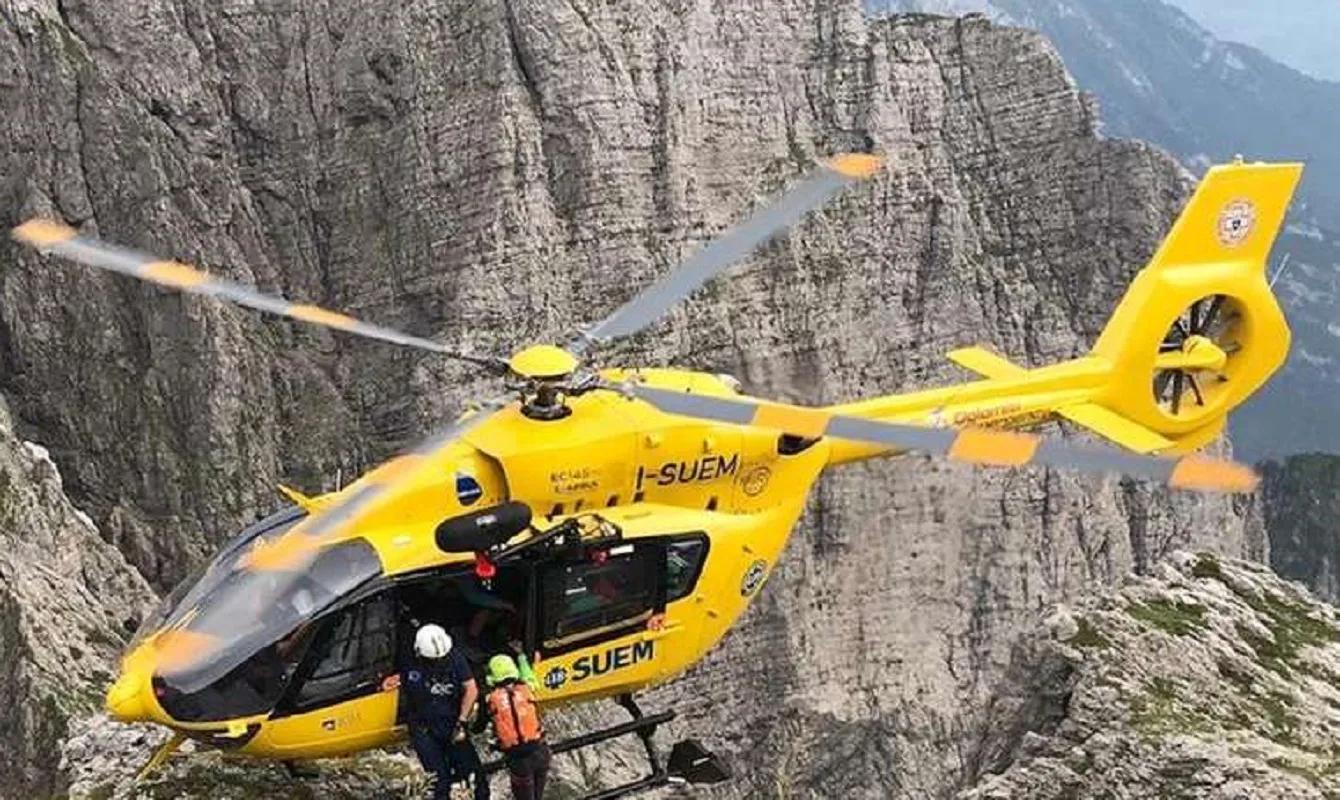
(516, 719)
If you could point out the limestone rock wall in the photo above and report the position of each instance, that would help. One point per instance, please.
(1300, 509)
(68, 604)
(499, 172)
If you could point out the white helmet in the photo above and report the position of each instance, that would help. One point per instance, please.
(432, 642)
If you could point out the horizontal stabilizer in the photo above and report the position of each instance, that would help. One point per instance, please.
(985, 363)
(1115, 427)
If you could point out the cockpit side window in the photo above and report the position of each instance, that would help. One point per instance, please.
(683, 563)
(245, 621)
(350, 657)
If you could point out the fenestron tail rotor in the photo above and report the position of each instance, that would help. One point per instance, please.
(62, 240)
(970, 445)
(1195, 354)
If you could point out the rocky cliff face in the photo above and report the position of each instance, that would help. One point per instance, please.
(498, 172)
(68, 604)
(1209, 679)
(1301, 501)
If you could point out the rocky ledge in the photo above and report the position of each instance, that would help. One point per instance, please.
(102, 757)
(68, 604)
(1210, 678)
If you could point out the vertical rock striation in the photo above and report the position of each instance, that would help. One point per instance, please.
(1299, 503)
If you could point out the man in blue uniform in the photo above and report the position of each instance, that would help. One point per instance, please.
(438, 694)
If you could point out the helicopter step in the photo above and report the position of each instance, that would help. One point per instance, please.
(689, 761)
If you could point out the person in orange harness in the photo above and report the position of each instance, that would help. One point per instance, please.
(516, 724)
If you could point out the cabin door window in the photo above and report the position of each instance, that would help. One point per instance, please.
(684, 558)
(591, 598)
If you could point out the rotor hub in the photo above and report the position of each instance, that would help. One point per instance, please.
(546, 373)
(1195, 358)
(1195, 353)
(543, 362)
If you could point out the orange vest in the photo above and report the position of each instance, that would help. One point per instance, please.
(516, 720)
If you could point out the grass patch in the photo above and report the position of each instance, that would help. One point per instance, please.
(1278, 711)
(1268, 651)
(1158, 712)
(1242, 681)
(1292, 628)
(1313, 774)
(1089, 636)
(1270, 714)
(1178, 619)
(1162, 689)
(102, 791)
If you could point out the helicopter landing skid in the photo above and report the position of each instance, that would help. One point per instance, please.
(160, 755)
(689, 761)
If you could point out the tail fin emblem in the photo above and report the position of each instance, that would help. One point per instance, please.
(1236, 222)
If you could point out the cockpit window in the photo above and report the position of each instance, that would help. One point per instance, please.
(251, 621)
(204, 579)
(353, 655)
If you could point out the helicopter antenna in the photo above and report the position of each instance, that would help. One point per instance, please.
(1284, 265)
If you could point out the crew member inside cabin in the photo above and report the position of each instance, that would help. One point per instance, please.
(438, 693)
(516, 725)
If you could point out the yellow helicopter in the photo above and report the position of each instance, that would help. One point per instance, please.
(615, 523)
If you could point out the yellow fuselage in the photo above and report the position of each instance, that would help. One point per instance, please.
(649, 473)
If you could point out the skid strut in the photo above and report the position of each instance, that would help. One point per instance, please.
(643, 726)
(160, 755)
(686, 762)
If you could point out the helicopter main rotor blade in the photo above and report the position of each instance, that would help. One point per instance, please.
(292, 551)
(970, 445)
(53, 237)
(728, 248)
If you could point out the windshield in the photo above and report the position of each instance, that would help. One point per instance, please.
(207, 576)
(234, 644)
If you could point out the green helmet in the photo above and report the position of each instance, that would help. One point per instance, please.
(502, 668)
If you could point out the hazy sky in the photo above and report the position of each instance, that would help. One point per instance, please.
(1305, 34)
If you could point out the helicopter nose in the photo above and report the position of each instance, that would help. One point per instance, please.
(125, 700)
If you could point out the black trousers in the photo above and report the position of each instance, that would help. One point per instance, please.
(450, 762)
(529, 769)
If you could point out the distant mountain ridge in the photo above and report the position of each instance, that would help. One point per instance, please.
(1161, 77)
(1300, 33)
